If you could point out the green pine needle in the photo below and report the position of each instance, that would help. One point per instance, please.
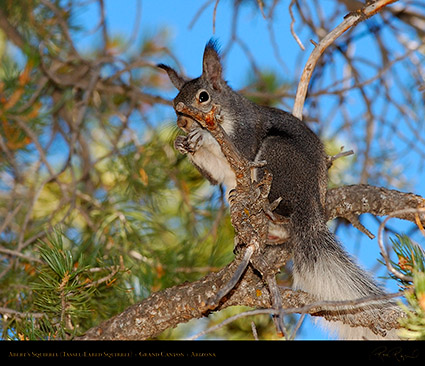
(411, 262)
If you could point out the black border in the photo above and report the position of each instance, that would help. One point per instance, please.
(148, 352)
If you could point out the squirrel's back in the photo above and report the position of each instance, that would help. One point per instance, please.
(296, 158)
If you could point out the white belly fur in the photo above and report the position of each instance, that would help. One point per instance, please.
(210, 158)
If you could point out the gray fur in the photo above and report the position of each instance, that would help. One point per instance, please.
(296, 158)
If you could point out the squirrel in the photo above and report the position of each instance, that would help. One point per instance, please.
(297, 160)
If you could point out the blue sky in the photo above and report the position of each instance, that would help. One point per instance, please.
(188, 43)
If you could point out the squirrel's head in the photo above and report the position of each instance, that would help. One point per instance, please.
(200, 92)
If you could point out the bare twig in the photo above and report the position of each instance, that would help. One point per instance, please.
(297, 39)
(9, 217)
(381, 241)
(16, 253)
(199, 12)
(5, 311)
(215, 14)
(254, 331)
(212, 303)
(350, 20)
(332, 158)
(11, 31)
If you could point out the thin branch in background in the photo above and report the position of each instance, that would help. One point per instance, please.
(350, 20)
(384, 252)
(261, 7)
(5, 312)
(11, 31)
(10, 215)
(16, 253)
(199, 12)
(104, 27)
(232, 319)
(215, 14)
(137, 23)
(254, 331)
(297, 326)
(65, 28)
(294, 34)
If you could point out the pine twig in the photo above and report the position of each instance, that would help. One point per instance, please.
(384, 253)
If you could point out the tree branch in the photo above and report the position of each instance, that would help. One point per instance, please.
(362, 198)
(11, 31)
(179, 304)
(351, 20)
(250, 210)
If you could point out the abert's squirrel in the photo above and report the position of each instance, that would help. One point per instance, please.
(296, 158)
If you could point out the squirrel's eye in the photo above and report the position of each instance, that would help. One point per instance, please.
(203, 97)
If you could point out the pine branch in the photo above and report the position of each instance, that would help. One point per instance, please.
(411, 265)
(179, 304)
(362, 198)
(168, 308)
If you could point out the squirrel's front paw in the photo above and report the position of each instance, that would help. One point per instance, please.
(180, 144)
(194, 139)
(190, 143)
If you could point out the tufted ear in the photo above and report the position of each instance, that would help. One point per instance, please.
(175, 78)
(212, 69)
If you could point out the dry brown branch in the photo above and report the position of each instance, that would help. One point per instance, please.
(294, 34)
(5, 312)
(10, 30)
(173, 306)
(350, 21)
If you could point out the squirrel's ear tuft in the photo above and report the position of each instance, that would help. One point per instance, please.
(175, 78)
(212, 69)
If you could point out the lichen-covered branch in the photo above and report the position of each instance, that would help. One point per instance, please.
(362, 198)
(168, 308)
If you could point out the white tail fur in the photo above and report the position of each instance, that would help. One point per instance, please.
(322, 268)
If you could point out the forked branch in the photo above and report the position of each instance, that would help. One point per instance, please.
(350, 20)
(250, 209)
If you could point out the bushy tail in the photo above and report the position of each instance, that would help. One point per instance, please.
(323, 268)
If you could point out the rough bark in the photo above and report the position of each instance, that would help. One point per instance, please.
(179, 304)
